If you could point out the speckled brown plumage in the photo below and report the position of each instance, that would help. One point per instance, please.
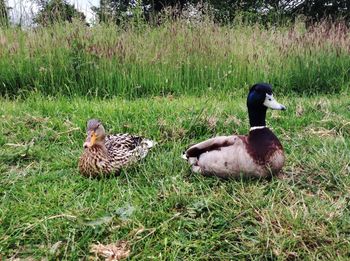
(105, 155)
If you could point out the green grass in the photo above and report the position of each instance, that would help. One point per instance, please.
(173, 58)
(159, 207)
(191, 82)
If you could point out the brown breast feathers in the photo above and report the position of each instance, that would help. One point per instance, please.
(261, 144)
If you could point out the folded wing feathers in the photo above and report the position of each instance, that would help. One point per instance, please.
(127, 148)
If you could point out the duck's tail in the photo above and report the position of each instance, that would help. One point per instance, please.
(193, 161)
(144, 147)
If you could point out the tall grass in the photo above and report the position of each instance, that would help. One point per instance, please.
(173, 58)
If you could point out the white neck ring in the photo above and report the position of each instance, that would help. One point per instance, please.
(257, 128)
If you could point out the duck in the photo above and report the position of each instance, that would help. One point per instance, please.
(105, 155)
(259, 154)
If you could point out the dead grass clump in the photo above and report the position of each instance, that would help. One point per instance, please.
(111, 252)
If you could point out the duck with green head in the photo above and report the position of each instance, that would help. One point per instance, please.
(258, 154)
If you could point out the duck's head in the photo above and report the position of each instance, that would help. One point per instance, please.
(260, 98)
(95, 134)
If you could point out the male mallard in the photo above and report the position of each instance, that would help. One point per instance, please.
(108, 154)
(258, 154)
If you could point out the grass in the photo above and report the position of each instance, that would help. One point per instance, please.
(159, 207)
(178, 84)
(173, 58)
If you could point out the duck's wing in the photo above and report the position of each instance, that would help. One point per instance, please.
(126, 148)
(209, 145)
(122, 141)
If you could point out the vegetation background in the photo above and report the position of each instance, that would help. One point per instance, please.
(177, 73)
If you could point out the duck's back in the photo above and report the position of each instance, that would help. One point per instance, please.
(125, 149)
(229, 161)
(258, 154)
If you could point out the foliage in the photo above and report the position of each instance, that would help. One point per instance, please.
(226, 11)
(316, 10)
(111, 11)
(49, 211)
(277, 11)
(4, 19)
(119, 11)
(55, 11)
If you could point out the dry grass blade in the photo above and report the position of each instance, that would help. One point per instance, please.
(299, 110)
(322, 132)
(115, 251)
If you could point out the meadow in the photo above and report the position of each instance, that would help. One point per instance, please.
(177, 84)
(175, 58)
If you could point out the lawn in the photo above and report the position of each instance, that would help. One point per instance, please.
(48, 210)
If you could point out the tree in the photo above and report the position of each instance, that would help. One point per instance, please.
(111, 11)
(118, 10)
(316, 10)
(4, 19)
(266, 11)
(225, 11)
(54, 11)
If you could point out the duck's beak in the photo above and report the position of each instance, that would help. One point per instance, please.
(271, 103)
(90, 140)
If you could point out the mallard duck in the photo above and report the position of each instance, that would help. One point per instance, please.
(258, 154)
(107, 154)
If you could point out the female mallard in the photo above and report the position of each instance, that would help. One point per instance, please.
(258, 154)
(108, 154)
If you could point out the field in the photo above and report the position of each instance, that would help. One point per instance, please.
(163, 211)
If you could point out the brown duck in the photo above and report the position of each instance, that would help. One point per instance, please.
(258, 154)
(108, 154)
